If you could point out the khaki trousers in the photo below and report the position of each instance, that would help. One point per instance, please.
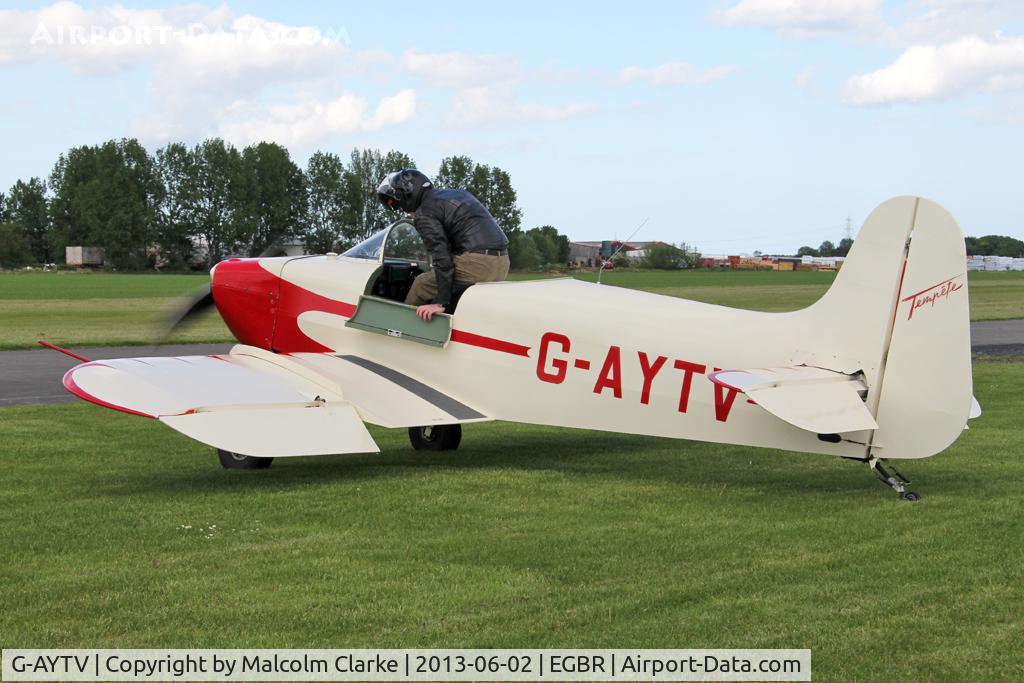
(469, 268)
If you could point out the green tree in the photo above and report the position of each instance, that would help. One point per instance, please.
(107, 196)
(455, 172)
(217, 183)
(72, 178)
(844, 247)
(176, 227)
(664, 256)
(367, 167)
(552, 248)
(994, 245)
(329, 211)
(3, 207)
(491, 185)
(28, 208)
(503, 202)
(807, 251)
(269, 197)
(827, 249)
(14, 248)
(522, 252)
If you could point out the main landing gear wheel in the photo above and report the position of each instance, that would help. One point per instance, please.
(436, 437)
(237, 461)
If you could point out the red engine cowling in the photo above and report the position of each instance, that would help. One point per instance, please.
(247, 296)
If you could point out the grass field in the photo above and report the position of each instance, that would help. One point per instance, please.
(99, 309)
(87, 309)
(117, 532)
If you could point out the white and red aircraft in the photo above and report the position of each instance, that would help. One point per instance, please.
(878, 369)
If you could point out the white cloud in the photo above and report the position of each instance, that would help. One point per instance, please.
(486, 105)
(459, 70)
(203, 60)
(246, 78)
(487, 88)
(307, 123)
(941, 21)
(676, 73)
(804, 17)
(937, 72)
(207, 43)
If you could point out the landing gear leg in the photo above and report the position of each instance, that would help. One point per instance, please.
(894, 480)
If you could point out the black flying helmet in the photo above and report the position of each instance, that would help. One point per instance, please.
(403, 189)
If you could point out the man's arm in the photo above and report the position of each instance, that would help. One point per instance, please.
(436, 242)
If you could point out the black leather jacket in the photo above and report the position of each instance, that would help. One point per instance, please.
(451, 222)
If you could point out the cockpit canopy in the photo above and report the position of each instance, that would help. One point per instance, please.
(398, 241)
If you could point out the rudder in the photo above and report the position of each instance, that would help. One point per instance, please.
(926, 388)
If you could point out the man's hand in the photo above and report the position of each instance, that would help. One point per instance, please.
(427, 311)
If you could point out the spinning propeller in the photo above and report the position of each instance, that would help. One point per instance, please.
(191, 305)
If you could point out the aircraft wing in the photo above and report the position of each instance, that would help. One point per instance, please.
(815, 399)
(254, 402)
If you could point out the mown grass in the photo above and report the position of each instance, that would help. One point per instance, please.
(117, 532)
(120, 309)
(94, 309)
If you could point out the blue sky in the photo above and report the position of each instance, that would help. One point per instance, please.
(733, 125)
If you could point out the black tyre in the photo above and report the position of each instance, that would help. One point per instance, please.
(910, 496)
(237, 461)
(436, 437)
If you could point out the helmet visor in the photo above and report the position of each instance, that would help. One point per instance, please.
(386, 191)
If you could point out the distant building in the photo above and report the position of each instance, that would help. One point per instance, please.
(584, 253)
(83, 256)
(589, 253)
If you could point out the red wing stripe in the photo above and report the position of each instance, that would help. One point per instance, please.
(489, 343)
(72, 386)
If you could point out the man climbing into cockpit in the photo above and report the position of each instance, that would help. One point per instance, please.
(465, 243)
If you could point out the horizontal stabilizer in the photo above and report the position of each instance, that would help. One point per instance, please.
(814, 399)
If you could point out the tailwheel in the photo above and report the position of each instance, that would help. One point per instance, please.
(237, 461)
(436, 437)
(894, 479)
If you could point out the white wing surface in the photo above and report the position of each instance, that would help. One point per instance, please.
(258, 403)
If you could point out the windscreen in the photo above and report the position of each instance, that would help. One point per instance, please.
(370, 248)
(405, 243)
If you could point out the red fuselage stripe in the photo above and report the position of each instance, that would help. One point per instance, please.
(489, 343)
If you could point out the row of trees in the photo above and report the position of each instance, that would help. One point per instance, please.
(538, 248)
(989, 245)
(827, 248)
(189, 205)
(667, 256)
(995, 245)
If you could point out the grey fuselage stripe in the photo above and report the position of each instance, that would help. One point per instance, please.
(459, 411)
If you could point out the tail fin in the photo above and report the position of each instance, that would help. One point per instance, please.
(898, 311)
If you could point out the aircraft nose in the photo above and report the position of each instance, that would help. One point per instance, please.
(246, 294)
